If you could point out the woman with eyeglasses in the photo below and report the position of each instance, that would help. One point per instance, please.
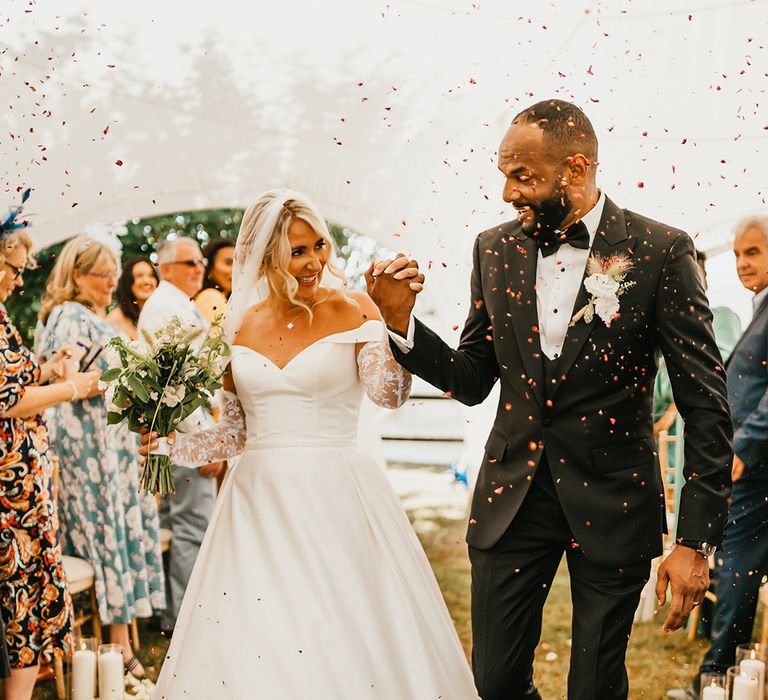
(217, 283)
(35, 601)
(138, 280)
(104, 519)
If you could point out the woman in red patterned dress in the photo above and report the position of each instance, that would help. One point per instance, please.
(36, 605)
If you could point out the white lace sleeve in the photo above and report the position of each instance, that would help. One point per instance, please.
(386, 382)
(223, 440)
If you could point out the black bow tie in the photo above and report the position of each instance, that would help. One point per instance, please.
(576, 236)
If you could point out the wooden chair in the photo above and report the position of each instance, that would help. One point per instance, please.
(81, 582)
(764, 600)
(665, 442)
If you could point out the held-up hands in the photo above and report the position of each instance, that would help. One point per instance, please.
(87, 383)
(687, 572)
(393, 286)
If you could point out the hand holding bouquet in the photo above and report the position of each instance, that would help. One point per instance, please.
(158, 381)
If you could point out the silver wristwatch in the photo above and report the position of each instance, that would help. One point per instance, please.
(704, 548)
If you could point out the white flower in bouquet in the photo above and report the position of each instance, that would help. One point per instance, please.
(173, 395)
(109, 398)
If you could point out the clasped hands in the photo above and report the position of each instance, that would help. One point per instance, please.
(393, 285)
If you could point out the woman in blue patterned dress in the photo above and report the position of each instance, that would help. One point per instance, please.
(103, 517)
(34, 598)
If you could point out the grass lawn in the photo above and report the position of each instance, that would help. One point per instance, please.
(656, 661)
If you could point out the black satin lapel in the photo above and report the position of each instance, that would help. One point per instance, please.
(610, 239)
(520, 257)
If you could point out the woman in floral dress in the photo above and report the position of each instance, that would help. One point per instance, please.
(103, 517)
(34, 598)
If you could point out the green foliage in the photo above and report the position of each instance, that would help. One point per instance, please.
(160, 385)
(355, 253)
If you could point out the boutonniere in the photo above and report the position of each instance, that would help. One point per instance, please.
(605, 281)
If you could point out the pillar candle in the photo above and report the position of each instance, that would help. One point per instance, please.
(111, 680)
(754, 668)
(712, 692)
(83, 675)
(744, 688)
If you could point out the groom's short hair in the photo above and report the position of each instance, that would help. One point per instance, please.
(566, 128)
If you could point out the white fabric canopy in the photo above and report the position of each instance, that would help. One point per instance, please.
(387, 114)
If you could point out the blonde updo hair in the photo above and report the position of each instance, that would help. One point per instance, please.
(14, 239)
(81, 253)
(277, 254)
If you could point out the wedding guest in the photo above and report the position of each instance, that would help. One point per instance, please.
(103, 518)
(35, 600)
(138, 280)
(743, 562)
(187, 512)
(217, 283)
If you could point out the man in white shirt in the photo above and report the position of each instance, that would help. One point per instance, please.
(570, 465)
(187, 512)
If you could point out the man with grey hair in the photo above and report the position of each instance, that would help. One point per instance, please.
(743, 561)
(187, 512)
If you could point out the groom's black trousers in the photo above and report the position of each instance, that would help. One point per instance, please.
(510, 583)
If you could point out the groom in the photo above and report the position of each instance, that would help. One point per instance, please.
(570, 464)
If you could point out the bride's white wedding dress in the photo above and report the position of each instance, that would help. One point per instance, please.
(310, 583)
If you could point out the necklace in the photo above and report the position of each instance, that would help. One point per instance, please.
(291, 323)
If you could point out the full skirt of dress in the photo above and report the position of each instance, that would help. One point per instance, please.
(311, 583)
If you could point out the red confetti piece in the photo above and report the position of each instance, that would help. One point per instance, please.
(118, 162)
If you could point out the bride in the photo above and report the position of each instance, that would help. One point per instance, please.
(310, 582)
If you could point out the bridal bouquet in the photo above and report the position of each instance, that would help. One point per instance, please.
(158, 381)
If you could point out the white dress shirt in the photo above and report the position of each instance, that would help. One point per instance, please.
(558, 277)
(163, 304)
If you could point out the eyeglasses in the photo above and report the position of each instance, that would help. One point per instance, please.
(17, 271)
(202, 262)
(104, 275)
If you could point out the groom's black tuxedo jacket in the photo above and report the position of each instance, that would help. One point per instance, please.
(593, 416)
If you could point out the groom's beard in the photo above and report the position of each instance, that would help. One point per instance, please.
(548, 215)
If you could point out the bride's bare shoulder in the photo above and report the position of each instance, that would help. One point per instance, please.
(352, 308)
(253, 318)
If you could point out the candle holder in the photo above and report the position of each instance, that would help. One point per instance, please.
(740, 686)
(753, 651)
(111, 675)
(751, 660)
(80, 678)
(712, 686)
